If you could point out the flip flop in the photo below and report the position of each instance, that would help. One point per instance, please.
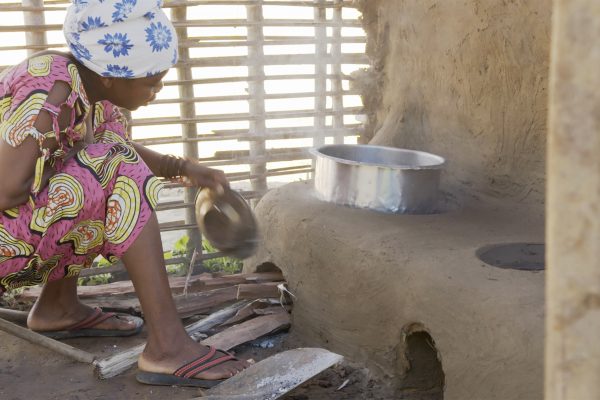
(183, 376)
(85, 328)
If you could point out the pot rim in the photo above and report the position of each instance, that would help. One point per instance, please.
(317, 152)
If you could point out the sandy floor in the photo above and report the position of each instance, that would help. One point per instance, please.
(31, 372)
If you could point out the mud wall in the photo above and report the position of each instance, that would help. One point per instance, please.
(466, 80)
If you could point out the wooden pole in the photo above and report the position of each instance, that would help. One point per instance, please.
(41, 340)
(256, 89)
(320, 15)
(336, 70)
(573, 204)
(34, 38)
(189, 129)
(14, 315)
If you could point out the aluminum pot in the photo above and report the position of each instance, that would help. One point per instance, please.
(386, 179)
(227, 221)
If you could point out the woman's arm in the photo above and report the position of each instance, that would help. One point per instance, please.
(17, 164)
(195, 174)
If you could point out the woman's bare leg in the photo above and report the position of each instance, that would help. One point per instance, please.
(58, 307)
(169, 346)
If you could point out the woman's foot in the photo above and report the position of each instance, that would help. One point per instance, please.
(58, 317)
(59, 308)
(167, 362)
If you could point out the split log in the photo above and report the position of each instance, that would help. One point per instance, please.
(245, 313)
(270, 310)
(247, 331)
(41, 340)
(251, 291)
(202, 302)
(118, 363)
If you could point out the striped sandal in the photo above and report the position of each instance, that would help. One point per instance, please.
(184, 375)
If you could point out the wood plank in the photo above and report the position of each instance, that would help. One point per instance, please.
(197, 283)
(247, 331)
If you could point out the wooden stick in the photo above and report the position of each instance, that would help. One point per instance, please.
(18, 7)
(229, 79)
(243, 117)
(41, 340)
(212, 23)
(274, 96)
(295, 3)
(189, 272)
(301, 133)
(118, 363)
(14, 315)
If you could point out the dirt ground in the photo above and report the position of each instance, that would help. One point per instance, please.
(31, 372)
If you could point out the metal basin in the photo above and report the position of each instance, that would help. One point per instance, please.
(380, 178)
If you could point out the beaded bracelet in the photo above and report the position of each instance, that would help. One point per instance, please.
(171, 166)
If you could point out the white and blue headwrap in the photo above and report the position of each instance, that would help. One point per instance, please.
(121, 38)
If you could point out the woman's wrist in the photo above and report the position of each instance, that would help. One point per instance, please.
(172, 167)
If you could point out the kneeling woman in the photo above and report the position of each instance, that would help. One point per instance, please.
(74, 185)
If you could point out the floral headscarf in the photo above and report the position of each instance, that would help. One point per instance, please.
(121, 38)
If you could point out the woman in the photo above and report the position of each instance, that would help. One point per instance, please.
(74, 186)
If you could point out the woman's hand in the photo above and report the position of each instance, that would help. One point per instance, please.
(198, 175)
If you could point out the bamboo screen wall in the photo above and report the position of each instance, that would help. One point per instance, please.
(258, 83)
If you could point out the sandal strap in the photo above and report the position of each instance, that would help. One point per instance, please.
(203, 363)
(193, 364)
(97, 317)
(209, 365)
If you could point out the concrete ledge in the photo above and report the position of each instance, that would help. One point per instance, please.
(364, 280)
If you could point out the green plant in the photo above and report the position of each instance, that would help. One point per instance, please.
(181, 246)
(100, 279)
(99, 262)
(179, 250)
(227, 265)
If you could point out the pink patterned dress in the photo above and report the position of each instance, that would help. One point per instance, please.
(97, 202)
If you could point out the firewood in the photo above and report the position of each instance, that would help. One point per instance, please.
(193, 303)
(199, 282)
(247, 331)
(270, 310)
(118, 363)
(246, 312)
(252, 291)
(202, 302)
